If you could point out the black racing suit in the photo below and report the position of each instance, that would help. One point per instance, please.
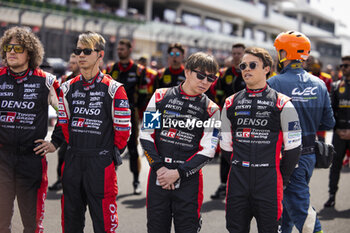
(254, 126)
(170, 77)
(340, 98)
(23, 119)
(179, 143)
(95, 120)
(133, 77)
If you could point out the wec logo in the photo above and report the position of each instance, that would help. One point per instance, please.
(306, 92)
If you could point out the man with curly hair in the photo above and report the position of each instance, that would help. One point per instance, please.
(25, 92)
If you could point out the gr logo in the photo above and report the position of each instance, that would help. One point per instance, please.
(7, 116)
(78, 122)
(151, 120)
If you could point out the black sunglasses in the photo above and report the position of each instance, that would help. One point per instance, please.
(252, 65)
(210, 77)
(344, 66)
(85, 51)
(177, 54)
(16, 47)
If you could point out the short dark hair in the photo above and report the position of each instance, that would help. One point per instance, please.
(202, 61)
(125, 42)
(176, 46)
(28, 40)
(263, 55)
(238, 45)
(346, 58)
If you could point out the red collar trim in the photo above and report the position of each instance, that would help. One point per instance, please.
(122, 69)
(258, 91)
(182, 92)
(19, 77)
(176, 71)
(86, 83)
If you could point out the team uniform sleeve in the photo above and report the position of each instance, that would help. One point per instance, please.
(57, 137)
(226, 131)
(206, 152)
(121, 118)
(292, 141)
(148, 142)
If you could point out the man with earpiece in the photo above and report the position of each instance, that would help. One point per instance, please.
(95, 118)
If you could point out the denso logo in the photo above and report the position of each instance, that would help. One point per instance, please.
(306, 92)
(114, 218)
(86, 111)
(17, 104)
(254, 122)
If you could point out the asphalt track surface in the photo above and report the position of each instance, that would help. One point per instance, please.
(132, 209)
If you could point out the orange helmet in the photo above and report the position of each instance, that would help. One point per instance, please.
(296, 45)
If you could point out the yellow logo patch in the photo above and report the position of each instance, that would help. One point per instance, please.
(167, 79)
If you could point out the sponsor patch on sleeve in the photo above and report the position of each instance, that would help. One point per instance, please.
(293, 125)
(121, 103)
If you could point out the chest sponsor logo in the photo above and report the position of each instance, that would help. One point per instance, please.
(309, 91)
(32, 85)
(341, 90)
(78, 102)
(265, 102)
(120, 103)
(86, 111)
(6, 86)
(245, 164)
(176, 102)
(95, 104)
(238, 107)
(344, 103)
(7, 117)
(264, 114)
(29, 90)
(6, 94)
(173, 107)
(97, 93)
(242, 113)
(78, 94)
(31, 96)
(259, 107)
(78, 122)
(228, 79)
(243, 133)
(252, 122)
(17, 104)
(244, 101)
(254, 95)
(95, 98)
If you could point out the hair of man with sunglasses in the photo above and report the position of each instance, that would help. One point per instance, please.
(202, 61)
(176, 45)
(263, 55)
(92, 40)
(28, 40)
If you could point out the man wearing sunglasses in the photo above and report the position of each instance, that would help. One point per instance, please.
(230, 82)
(178, 149)
(255, 123)
(133, 76)
(25, 93)
(311, 100)
(95, 118)
(340, 98)
(174, 74)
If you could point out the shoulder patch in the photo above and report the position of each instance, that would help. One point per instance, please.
(160, 93)
(212, 108)
(229, 101)
(113, 87)
(50, 79)
(281, 100)
(65, 86)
